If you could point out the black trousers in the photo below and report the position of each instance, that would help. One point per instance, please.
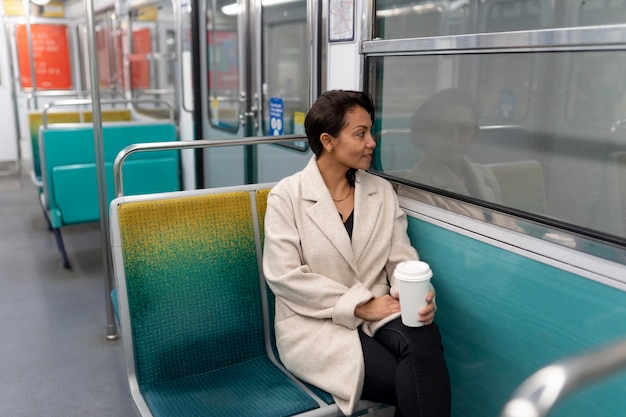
(405, 367)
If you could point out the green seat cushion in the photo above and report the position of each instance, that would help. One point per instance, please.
(255, 388)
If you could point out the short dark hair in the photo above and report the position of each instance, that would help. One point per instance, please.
(328, 114)
(425, 117)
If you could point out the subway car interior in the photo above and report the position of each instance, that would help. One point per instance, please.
(141, 138)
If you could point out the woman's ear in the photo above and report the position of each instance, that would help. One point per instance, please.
(327, 142)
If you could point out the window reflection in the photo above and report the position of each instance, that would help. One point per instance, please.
(443, 128)
(423, 18)
(549, 139)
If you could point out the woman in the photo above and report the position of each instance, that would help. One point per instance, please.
(444, 127)
(333, 236)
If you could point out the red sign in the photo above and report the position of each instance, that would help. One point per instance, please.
(140, 66)
(50, 55)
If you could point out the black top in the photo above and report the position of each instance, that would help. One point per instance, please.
(349, 223)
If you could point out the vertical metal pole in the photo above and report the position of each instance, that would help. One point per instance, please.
(251, 31)
(29, 38)
(111, 328)
(13, 83)
(198, 41)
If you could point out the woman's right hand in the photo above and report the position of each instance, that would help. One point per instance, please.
(377, 308)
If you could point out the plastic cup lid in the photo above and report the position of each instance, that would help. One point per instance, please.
(413, 271)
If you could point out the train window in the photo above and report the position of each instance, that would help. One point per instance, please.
(535, 132)
(424, 18)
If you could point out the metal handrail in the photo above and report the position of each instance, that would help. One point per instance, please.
(88, 102)
(385, 132)
(195, 144)
(540, 392)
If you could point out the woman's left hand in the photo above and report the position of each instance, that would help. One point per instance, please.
(427, 314)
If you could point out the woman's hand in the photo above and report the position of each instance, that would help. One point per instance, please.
(378, 308)
(427, 313)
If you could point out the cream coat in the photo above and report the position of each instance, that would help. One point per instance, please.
(319, 276)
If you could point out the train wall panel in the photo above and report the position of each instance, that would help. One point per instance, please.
(503, 316)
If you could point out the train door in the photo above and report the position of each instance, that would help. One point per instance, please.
(255, 80)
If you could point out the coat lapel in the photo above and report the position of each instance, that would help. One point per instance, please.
(323, 212)
(367, 208)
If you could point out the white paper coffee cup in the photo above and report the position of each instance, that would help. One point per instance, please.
(413, 285)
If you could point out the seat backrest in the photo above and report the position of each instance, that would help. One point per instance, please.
(188, 281)
(69, 172)
(261, 205)
(35, 120)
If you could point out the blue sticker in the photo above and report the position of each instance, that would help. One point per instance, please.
(277, 112)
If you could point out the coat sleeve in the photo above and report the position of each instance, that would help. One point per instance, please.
(401, 249)
(303, 291)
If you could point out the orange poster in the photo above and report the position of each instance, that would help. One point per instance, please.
(50, 55)
(140, 66)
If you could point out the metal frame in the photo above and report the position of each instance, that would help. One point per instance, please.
(80, 102)
(143, 147)
(540, 392)
(610, 37)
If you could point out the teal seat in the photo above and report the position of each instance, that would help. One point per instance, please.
(70, 187)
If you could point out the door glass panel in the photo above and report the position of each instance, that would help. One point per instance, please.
(223, 64)
(152, 57)
(285, 69)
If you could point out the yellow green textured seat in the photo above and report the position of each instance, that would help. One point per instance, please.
(190, 288)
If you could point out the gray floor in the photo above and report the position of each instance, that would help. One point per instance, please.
(54, 358)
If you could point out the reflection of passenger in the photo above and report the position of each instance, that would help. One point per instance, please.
(443, 128)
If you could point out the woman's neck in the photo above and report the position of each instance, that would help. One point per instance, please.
(334, 177)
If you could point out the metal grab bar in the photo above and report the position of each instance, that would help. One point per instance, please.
(540, 392)
(72, 93)
(88, 102)
(398, 132)
(195, 144)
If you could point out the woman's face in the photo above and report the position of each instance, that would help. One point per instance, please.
(354, 146)
(452, 134)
